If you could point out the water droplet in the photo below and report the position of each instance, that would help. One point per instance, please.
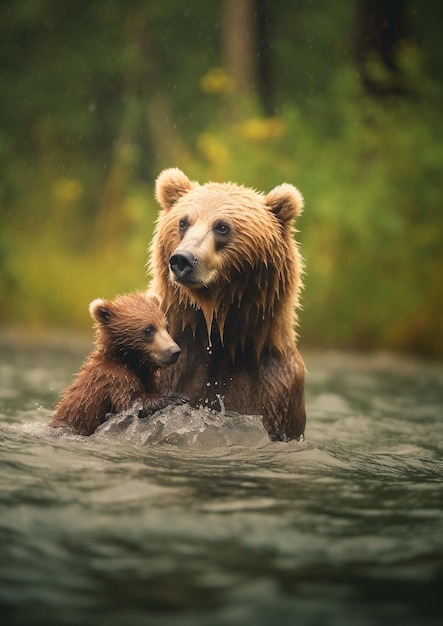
(208, 384)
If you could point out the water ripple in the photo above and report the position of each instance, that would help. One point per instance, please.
(193, 517)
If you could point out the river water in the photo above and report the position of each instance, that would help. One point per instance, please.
(192, 518)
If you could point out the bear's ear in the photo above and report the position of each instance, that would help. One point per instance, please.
(101, 310)
(171, 185)
(285, 201)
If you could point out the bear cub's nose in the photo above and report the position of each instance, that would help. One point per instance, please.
(174, 353)
(182, 263)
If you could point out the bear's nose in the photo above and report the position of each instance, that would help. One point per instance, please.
(182, 263)
(174, 353)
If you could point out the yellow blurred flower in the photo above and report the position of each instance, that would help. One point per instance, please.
(67, 190)
(260, 129)
(212, 148)
(218, 81)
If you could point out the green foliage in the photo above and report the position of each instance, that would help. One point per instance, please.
(58, 265)
(98, 97)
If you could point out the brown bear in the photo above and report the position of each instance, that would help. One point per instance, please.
(228, 271)
(132, 343)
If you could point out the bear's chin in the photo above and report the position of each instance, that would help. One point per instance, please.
(193, 283)
(197, 292)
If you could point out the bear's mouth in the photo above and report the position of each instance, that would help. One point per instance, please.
(187, 281)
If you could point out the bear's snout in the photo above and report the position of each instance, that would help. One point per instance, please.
(174, 353)
(182, 264)
(168, 357)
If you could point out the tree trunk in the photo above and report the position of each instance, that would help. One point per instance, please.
(264, 58)
(240, 44)
(246, 54)
(380, 27)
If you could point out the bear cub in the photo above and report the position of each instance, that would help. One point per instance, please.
(132, 343)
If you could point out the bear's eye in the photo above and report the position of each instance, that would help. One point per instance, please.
(222, 228)
(149, 331)
(183, 225)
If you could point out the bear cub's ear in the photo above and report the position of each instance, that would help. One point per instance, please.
(285, 201)
(101, 310)
(155, 298)
(171, 185)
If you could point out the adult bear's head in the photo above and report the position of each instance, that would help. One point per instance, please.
(221, 246)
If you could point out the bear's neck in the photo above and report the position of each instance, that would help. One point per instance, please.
(243, 323)
(131, 361)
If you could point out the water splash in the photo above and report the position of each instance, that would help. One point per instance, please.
(184, 426)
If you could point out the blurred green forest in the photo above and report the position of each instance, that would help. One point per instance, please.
(342, 99)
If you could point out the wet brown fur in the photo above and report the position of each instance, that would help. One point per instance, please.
(237, 330)
(122, 369)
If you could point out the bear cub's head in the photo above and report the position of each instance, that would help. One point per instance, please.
(132, 329)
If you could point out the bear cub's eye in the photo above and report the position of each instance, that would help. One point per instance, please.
(222, 228)
(149, 331)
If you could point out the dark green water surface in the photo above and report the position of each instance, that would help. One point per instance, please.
(197, 519)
